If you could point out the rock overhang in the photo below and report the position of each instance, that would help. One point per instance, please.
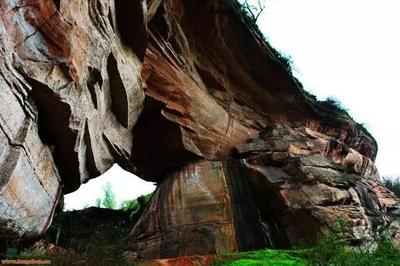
(158, 88)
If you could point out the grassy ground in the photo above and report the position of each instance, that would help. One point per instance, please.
(329, 252)
(262, 258)
(95, 236)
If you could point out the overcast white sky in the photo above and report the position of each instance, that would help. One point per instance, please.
(348, 49)
(126, 186)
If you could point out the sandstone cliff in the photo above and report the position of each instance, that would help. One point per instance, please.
(184, 93)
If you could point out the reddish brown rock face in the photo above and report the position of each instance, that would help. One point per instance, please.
(70, 95)
(186, 94)
(208, 94)
(196, 211)
(284, 189)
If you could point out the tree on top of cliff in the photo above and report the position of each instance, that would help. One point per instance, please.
(251, 13)
(254, 11)
(335, 105)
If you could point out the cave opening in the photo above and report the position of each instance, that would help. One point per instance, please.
(101, 213)
(124, 185)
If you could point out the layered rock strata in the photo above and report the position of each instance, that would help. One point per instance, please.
(70, 95)
(185, 94)
(285, 188)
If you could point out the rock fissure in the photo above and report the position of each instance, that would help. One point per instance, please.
(36, 31)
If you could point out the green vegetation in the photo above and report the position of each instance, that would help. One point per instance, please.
(102, 243)
(58, 256)
(9, 239)
(393, 184)
(335, 105)
(253, 11)
(136, 206)
(108, 200)
(332, 104)
(92, 236)
(251, 14)
(262, 257)
(332, 250)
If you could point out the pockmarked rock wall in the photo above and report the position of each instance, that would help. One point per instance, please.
(185, 94)
(70, 95)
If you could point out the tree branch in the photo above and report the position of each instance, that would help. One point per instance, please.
(254, 11)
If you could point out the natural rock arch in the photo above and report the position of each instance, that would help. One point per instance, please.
(190, 97)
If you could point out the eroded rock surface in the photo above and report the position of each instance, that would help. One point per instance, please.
(186, 94)
(284, 188)
(218, 102)
(203, 208)
(70, 95)
(316, 180)
(208, 93)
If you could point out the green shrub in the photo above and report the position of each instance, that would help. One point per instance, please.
(334, 250)
(335, 105)
(334, 254)
(329, 249)
(108, 200)
(9, 238)
(251, 14)
(267, 257)
(12, 253)
(136, 206)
